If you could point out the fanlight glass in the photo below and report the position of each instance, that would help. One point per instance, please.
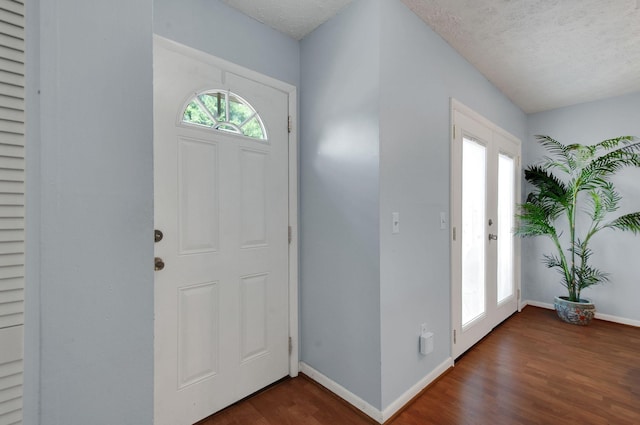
(224, 111)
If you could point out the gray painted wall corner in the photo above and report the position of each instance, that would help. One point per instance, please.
(420, 72)
(339, 164)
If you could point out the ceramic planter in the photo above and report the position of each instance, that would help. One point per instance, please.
(576, 313)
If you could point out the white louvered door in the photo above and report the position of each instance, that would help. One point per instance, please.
(11, 209)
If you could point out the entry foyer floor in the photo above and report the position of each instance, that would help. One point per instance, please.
(533, 369)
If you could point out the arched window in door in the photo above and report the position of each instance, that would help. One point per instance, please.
(224, 111)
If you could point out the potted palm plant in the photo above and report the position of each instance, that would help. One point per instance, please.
(572, 181)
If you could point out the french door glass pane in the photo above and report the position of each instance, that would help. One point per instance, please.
(506, 201)
(473, 229)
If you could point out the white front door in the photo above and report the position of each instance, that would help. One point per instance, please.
(221, 203)
(485, 260)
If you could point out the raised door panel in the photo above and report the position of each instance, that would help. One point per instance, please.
(199, 213)
(198, 333)
(253, 316)
(253, 198)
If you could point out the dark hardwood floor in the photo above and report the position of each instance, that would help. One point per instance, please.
(532, 369)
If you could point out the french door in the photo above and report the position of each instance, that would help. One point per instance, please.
(485, 252)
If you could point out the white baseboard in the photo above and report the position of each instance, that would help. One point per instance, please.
(601, 316)
(366, 408)
(525, 303)
(342, 392)
(616, 319)
(405, 398)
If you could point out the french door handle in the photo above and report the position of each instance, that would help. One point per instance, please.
(493, 237)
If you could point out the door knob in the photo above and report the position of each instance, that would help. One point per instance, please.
(493, 237)
(157, 235)
(158, 264)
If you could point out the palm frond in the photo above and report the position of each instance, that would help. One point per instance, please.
(628, 222)
(602, 200)
(614, 143)
(551, 261)
(614, 161)
(597, 209)
(556, 148)
(547, 184)
(534, 221)
(588, 276)
(549, 163)
(610, 198)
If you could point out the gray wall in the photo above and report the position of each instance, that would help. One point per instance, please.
(614, 251)
(89, 322)
(419, 74)
(364, 292)
(340, 274)
(213, 27)
(90, 174)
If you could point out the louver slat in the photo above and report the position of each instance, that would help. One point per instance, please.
(12, 165)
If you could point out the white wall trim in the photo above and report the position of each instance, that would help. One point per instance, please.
(601, 316)
(342, 392)
(459, 106)
(293, 222)
(616, 319)
(405, 398)
(525, 303)
(366, 408)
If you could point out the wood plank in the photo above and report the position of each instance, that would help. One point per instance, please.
(518, 374)
(535, 369)
(297, 401)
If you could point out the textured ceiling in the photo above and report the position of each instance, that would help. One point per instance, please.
(542, 54)
(295, 18)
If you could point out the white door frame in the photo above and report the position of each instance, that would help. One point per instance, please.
(293, 174)
(460, 107)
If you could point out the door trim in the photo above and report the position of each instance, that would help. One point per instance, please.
(291, 91)
(456, 105)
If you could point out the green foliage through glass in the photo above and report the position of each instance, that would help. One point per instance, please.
(224, 111)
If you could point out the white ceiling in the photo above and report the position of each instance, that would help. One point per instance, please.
(543, 54)
(295, 18)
